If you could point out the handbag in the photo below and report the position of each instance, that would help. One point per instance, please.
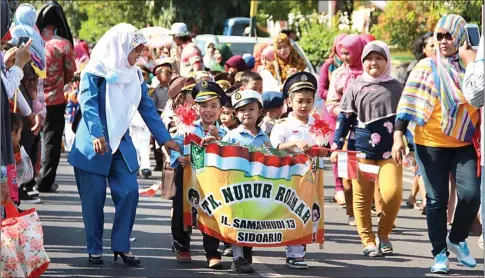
(168, 179)
(22, 239)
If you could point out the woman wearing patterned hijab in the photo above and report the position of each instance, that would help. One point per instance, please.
(445, 128)
(287, 62)
(111, 91)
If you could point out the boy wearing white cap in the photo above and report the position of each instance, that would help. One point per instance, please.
(249, 110)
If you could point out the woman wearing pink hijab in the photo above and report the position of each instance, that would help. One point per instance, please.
(332, 63)
(349, 50)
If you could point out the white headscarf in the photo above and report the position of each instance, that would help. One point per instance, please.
(109, 59)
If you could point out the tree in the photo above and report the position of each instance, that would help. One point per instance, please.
(404, 21)
(279, 10)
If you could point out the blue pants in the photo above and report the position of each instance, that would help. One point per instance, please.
(435, 165)
(124, 192)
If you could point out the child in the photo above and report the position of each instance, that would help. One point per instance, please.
(179, 93)
(163, 72)
(16, 125)
(228, 117)
(249, 110)
(293, 134)
(209, 98)
(71, 108)
(251, 80)
(368, 113)
(273, 104)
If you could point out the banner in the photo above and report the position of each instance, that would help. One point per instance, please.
(253, 196)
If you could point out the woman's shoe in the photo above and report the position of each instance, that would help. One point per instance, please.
(372, 251)
(130, 261)
(95, 259)
(386, 248)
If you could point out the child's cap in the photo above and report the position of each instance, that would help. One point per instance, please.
(208, 90)
(245, 97)
(298, 81)
(180, 84)
(249, 60)
(272, 99)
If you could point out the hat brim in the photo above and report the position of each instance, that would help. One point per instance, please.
(297, 87)
(154, 71)
(174, 34)
(245, 102)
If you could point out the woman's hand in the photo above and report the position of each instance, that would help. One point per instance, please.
(398, 148)
(100, 145)
(37, 124)
(171, 145)
(334, 157)
(5, 193)
(22, 56)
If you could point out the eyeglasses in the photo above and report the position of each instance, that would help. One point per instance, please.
(447, 36)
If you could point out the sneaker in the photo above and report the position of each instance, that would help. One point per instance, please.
(462, 253)
(441, 263)
(242, 266)
(227, 251)
(182, 257)
(296, 263)
(352, 221)
(214, 263)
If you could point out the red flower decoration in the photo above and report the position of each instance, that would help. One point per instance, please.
(320, 130)
(184, 119)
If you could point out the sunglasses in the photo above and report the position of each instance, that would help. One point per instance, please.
(447, 36)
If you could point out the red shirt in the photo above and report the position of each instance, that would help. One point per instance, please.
(60, 66)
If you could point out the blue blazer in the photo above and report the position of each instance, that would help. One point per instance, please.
(93, 125)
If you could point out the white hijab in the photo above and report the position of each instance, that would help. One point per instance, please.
(109, 59)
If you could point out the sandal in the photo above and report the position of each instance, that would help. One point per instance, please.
(386, 248)
(372, 251)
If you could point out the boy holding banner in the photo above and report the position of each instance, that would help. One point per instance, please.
(248, 105)
(293, 134)
(209, 98)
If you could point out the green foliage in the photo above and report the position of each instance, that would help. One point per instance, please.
(317, 42)
(279, 10)
(404, 21)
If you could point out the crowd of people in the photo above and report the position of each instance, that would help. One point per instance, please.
(110, 105)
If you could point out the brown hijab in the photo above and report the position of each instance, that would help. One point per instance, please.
(281, 67)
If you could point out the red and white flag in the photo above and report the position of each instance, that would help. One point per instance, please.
(348, 167)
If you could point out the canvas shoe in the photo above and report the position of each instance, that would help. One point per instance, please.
(296, 263)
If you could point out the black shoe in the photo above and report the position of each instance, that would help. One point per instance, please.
(27, 198)
(52, 189)
(146, 173)
(130, 261)
(242, 266)
(95, 260)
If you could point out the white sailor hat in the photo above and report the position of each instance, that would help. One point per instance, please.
(241, 98)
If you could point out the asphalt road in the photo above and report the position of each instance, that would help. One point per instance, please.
(341, 257)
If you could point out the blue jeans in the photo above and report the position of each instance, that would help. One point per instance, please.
(435, 165)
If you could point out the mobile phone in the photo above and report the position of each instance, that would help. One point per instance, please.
(473, 35)
(22, 41)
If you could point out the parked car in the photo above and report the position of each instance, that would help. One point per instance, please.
(235, 26)
(240, 45)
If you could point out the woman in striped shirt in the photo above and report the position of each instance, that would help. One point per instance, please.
(445, 124)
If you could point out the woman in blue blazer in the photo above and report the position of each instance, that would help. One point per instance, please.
(111, 90)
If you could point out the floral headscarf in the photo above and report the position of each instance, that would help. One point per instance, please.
(294, 60)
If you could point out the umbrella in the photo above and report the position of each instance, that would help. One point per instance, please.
(156, 35)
